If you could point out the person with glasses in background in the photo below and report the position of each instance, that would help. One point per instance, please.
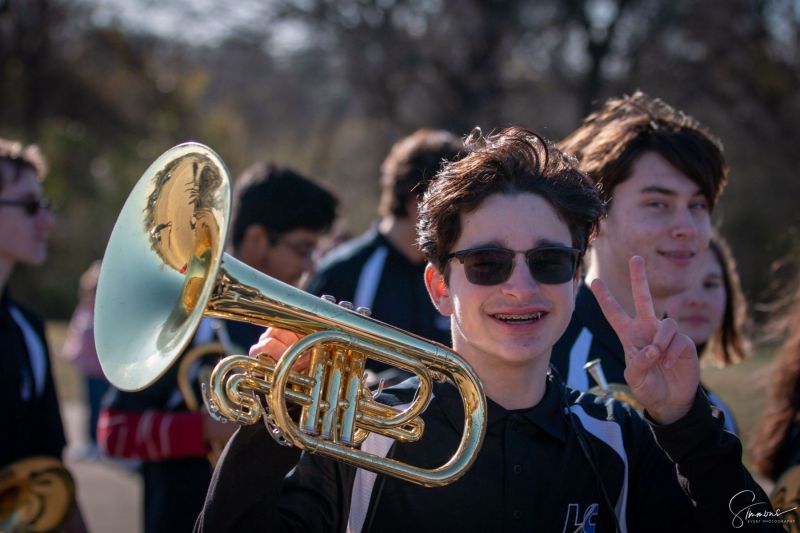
(279, 216)
(503, 230)
(33, 425)
(660, 172)
(382, 269)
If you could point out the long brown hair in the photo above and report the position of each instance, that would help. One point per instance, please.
(728, 344)
(783, 403)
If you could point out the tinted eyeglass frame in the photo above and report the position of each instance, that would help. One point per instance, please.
(32, 206)
(503, 273)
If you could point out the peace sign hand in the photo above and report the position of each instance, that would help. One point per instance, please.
(662, 368)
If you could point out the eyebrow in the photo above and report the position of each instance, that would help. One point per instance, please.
(655, 189)
(541, 243)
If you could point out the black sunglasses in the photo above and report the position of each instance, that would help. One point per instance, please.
(31, 205)
(551, 265)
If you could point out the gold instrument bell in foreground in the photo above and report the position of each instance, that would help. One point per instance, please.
(164, 269)
(785, 498)
(618, 391)
(37, 495)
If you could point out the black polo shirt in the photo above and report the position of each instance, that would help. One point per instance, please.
(533, 473)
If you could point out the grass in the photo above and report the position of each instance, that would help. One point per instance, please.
(744, 388)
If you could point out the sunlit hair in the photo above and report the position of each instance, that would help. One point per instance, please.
(728, 344)
(412, 162)
(21, 155)
(770, 451)
(611, 139)
(512, 161)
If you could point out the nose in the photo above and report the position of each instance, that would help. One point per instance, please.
(684, 224)
(694, 298)
(520, 283)
(45, 218)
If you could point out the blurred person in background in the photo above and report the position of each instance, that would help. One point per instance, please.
(713, 312)
(79, 349)
(278, 218)
(33, 425)
(382, 269)
(660, 173)
(776, 441)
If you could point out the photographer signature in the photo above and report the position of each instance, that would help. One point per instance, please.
(738, 518)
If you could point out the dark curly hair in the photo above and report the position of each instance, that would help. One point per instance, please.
(514, 160)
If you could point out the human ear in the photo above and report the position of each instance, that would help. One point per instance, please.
(438, 290)
(255, 243)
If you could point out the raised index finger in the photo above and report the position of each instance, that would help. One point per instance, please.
(614, 312)
(640, 289)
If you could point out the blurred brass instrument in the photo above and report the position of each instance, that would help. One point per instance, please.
(37, 494)
(786, 497)
(603, 388)
(164, 269)
(194, 370)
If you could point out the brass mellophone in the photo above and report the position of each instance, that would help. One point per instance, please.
(165, 268)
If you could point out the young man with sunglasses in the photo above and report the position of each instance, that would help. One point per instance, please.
(33, 425)
(660, 174)
(279, 216)
(503, 230)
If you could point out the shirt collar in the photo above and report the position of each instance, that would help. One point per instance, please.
(547, 415)
(397, 255)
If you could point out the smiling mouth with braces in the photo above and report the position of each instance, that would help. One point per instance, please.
(518, 318)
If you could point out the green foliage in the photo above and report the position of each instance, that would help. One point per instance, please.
(326, 87)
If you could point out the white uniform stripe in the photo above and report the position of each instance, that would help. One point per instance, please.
(728, 424)
(610, 433)
(577, 377)
(369, 278)
(365, 480)
(36, 350)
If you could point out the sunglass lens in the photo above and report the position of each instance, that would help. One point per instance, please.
(551, 266)
(488, 267)
(34, 205)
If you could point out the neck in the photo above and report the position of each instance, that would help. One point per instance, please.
(402, 233)
(619, 284)
(512, 387)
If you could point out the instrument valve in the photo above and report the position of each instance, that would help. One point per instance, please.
(347, 305)
(329, 298)
(365, 311)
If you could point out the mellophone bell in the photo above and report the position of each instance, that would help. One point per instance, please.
(785, 498)
(37, 495)
(604, 389)
(165, 268)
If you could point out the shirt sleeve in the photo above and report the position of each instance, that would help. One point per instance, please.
(142, 425)
(708, 462)
(250, 488)
(151, 435)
